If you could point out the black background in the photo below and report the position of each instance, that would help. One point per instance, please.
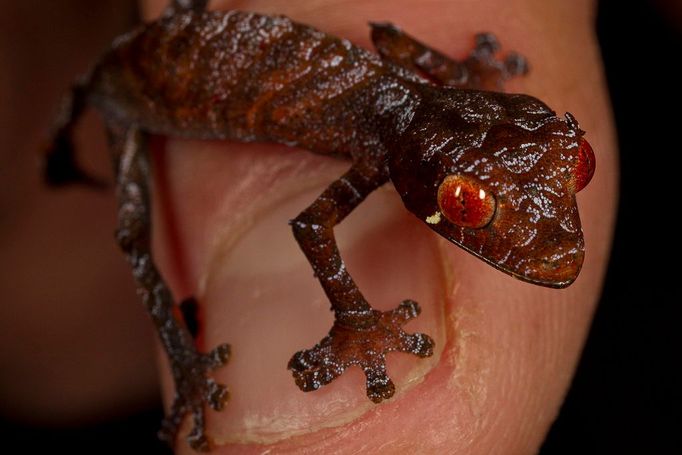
(626, 396)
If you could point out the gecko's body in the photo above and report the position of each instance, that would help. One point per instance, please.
(492, 172)
(245, 77)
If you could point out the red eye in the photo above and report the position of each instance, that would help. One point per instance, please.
(465, 203)
(584, 169)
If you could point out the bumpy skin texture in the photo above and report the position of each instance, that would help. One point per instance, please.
(249, 77)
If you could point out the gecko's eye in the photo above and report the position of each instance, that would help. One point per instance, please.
(465, 203)
(584, 169)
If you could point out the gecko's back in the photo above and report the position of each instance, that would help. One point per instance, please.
(241, 76)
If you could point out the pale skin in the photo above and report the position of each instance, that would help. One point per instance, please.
(503, 373)
(506, 380)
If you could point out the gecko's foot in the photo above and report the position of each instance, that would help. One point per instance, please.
(487, 72)
(364, 343)
(194, 389)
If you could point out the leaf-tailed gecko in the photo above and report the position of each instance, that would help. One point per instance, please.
(494, 173)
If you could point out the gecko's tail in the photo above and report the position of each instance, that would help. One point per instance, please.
(59, 162)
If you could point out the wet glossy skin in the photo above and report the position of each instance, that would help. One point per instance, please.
(257, 78)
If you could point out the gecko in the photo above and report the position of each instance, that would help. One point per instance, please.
(492, 172)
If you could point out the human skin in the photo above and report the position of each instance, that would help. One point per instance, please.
(509, 349)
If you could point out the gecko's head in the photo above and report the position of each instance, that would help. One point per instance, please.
(499, 179)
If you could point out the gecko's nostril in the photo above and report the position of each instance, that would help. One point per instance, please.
(558, 272)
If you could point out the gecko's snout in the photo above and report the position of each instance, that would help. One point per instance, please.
(558, 270)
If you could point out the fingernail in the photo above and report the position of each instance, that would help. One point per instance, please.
(260, 296)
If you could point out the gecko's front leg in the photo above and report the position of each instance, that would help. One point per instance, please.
(360, 335)
(481, 70)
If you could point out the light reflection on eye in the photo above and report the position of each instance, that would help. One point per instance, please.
(464, 203)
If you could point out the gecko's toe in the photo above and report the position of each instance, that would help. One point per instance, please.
(314, 368)
(379, 385)
(197, 438)
(217, 395)
(516, 65)
(418, 344)
(487, 43)
(194, 390)
(408, 309)
(313, 379)
(171, 422)
(219, 356)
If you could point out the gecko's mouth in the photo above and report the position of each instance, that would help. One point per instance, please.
(224, 212)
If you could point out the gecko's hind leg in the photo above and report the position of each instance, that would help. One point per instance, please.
(189, 367)
(360, 335)
(480, 70)
(59, 166)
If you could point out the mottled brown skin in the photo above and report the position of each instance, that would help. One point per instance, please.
(248, 77)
